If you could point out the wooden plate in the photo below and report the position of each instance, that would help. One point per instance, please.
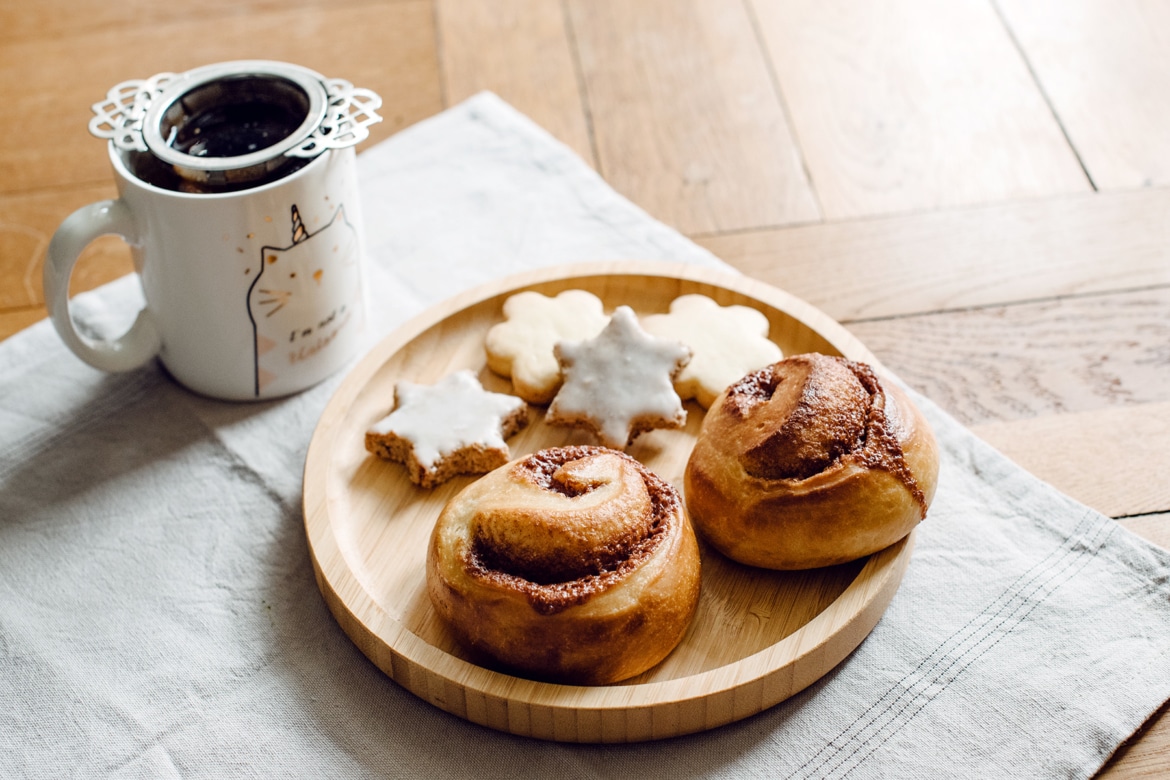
(758, 637)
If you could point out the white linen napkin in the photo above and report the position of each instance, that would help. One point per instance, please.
(159, 616)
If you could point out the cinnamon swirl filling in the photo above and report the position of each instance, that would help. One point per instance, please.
(811, 412)
(569, 523)
(574, 564)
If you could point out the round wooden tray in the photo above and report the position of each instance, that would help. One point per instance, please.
(758, 636)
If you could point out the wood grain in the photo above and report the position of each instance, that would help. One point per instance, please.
(925, 110)
(519, 49)
(1004, 363)
(1153, 527)
(913, 104)
(22, 21)
(1102, 64)
(1146, 754)
(27, 225)
(959, 258)
(755, 639)
(17, 319)
(686, 120)
(45, 175)
(1113, 460)
(388, 47)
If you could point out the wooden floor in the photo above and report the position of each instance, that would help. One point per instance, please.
(978, 189)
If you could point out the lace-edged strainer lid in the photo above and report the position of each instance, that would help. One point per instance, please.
(235, 122)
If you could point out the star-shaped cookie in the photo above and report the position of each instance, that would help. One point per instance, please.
(451, 427)
(620, 383)
(521, 347)
(729, 342)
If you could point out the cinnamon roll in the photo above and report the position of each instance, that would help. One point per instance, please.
(812, 461)
(574, 565)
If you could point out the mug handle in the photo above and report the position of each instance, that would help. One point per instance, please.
(138, 344)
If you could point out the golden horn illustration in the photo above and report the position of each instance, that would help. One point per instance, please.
(299, 232)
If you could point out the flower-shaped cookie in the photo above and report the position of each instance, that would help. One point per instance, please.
(451, 427)
(728, 343)
(620, 383)
(521, 347)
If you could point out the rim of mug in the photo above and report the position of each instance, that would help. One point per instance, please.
(122, 171)
(309, 82)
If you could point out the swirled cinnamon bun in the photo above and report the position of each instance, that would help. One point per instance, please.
(812, 461)
(574, 564)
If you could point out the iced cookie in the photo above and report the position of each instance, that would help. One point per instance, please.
(728, 342)
(448, 428)
(619, 384)
(521, 347)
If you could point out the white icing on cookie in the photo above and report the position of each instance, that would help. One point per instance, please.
(521, 347)
(619, 384)
(454, 414)
(729, 342)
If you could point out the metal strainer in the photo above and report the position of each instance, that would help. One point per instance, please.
(235, 124)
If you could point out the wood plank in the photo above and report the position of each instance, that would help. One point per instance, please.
(45, 18)
(913, 104)
(1006, 363)
(1153, 527)
(15, 320)
(519, 49)
(1102, 64)
(958, 258)
(1145, 755)
(1113, 460)
(26, 227)
(1075, 470)
(368, 568)
(685, 116)
(388, 47)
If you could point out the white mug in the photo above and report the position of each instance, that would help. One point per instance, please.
(250, 294)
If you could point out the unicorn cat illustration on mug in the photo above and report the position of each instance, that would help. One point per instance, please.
(225, 320)
(305, 296)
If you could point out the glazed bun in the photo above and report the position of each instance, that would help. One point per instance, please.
(574, 565)
(810, 462)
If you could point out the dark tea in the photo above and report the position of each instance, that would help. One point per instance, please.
(231, 126)
(236, 130)
(148, 168)
(213, 137)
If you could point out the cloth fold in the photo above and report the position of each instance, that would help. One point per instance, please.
(159, 616)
